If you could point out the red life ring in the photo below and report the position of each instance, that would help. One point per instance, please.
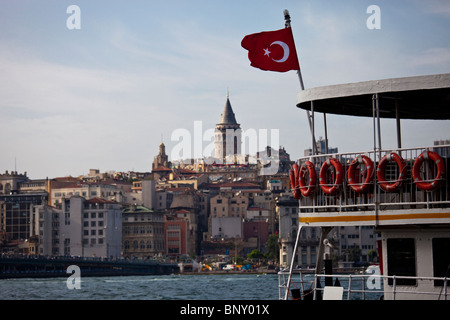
(386, 186)
(351, 175)
(323, 176)
(440, 175)
(293, 177)
(308, 167)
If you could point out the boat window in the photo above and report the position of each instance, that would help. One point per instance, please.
(441, 259)
(401, 255)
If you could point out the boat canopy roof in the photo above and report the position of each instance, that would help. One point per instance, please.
(420, 97)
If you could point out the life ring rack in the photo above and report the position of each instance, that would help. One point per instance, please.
(307, 168)
(327, 188)
(440, 175)
(381, 171)
(351, 174)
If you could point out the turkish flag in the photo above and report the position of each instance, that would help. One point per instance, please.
(272, 50)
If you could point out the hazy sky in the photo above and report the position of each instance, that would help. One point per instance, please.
(106, 95)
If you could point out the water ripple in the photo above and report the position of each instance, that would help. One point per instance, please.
(172, 287)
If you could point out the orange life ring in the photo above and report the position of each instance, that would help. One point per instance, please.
(308, 167)
(440, 175)
(395, 186)
(293, 177)
(351, 174)
(323, 176)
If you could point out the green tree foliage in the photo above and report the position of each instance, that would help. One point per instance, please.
(273, 248)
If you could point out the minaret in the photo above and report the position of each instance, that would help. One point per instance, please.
(227, 135)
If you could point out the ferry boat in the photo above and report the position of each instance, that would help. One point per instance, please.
(403, 193)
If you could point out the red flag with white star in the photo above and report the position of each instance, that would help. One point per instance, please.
(272, 50)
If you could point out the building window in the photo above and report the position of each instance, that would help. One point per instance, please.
(401, 255)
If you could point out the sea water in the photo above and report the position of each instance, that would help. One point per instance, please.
(160, 287)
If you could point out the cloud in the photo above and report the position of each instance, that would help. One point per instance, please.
(440, 7)
(104, 96)
(432, 58)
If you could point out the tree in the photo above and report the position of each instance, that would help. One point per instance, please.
(273, 248)
(255, 254)
(354, 254)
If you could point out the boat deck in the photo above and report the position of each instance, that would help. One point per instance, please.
(404, 203)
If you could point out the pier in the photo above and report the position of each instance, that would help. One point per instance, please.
(43, 267)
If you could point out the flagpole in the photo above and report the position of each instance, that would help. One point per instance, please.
(287, 24)
(324, 230)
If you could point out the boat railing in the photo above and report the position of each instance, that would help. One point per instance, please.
(404, 192)
(306, 285)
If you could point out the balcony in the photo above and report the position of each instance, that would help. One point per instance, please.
(369, 188)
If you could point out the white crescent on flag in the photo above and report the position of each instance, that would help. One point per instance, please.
(285, 49)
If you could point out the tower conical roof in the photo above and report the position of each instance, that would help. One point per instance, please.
(228, 114)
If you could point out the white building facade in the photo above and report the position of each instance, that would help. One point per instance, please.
(85, 228)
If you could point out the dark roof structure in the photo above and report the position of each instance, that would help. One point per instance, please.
(227, 116)
(420, 97)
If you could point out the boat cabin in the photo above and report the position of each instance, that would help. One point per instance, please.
(402, 192)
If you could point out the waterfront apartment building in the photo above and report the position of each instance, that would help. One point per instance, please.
(177, 234)
(143, 232)
(85, 228)
(15, 211)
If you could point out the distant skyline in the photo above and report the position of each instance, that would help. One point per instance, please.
(106, 95)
